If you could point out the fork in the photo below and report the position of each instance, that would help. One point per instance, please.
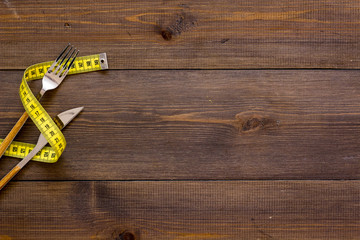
(52, 78)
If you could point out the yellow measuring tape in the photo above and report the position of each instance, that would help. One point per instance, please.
(38, 114)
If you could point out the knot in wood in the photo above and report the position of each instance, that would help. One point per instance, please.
(183, 22)
(126, 236)
(250, 122)
(166, 34)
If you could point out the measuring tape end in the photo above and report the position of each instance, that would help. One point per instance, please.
(103, 61)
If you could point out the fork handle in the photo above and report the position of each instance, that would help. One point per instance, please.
(12, 134)
(9, 176)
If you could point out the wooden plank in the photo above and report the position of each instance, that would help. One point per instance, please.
(181, 210)
(185, 34)
(263, 124)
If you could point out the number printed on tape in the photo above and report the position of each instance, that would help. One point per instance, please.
(39, 115)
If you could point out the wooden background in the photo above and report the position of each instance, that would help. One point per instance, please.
(216, 120)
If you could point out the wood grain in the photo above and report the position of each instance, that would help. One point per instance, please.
(185, 34)
(181, 210)
(207, 126)
(167, 124)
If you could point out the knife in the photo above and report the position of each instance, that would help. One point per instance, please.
(61, 121)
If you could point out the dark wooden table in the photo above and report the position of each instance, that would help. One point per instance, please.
(216, 120)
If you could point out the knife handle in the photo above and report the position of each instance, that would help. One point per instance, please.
(12, 134)
(9, 176)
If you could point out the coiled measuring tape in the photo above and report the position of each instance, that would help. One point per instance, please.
(40, 117)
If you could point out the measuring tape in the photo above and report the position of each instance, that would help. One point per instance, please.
(40, 117)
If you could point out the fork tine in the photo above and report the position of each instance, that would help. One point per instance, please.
(62, 60)
(62, 52)
(57, 59)
(70, 65)
(73, 59)
(71, 56)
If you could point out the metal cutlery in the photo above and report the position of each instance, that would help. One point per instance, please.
(52, 79)
(62, 120)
